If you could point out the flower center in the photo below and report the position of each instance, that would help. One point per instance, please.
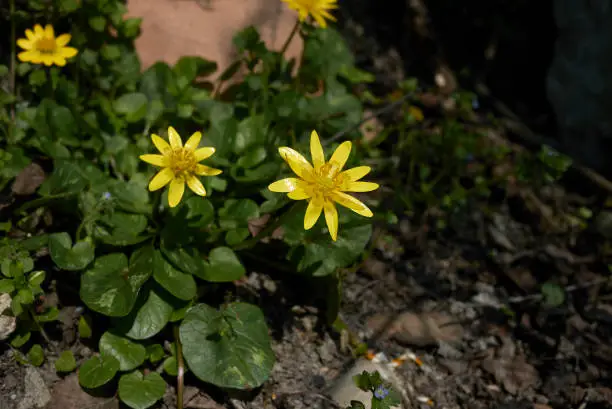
(328, 179)
(46, 45)
(182, 161)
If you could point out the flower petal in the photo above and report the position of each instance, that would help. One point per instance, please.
(25, 44)
(175, 139)
(28, 56)
(160, 180)
(316, 150)
(203, 153)
(162, 146)
(193, 141)
(298, 194)
(49, 32)
(48, 60)
(284, 185)
(62, 40)
(354, 174)
(298, 164)
(352, 203)
(361, 187)
(30, 35)
(313, 211)
(203, 170)
(341, 154)
(331, 218)
(155, 160)
(59, 60)
(196, 186)
(39, 31)
(175, 193)
(68, 52)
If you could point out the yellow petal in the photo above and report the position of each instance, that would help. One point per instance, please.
(156, 160)
(284, 185)
(361, 187)
(160, 180)
(30, 34)
(316, 150)
(175, 139)
(175, 193)
(62, 40)
(354, 174)
(194, 141)
(49, 32)
(298, 194)
(27, 56)
(161, 145)
(59, 60)
(313, 211)
(39, 31)
(298, 164)
(25, 44)
(203, 170)
(352, 203)
(196, 186)
(341, 155)
(48, 60)
(203, 153)
(331, 218)
(68, 52)
(320, 20)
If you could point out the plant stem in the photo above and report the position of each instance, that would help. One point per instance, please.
(12, 70)
(180, 383)
(291, 35)
(42, 331)
(42, 200)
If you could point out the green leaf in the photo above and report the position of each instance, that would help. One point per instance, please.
(97, 371)
(150, 315)
(85, 326)
(237, 213)
(171, 366)
(65, 362)
(106, 289)
(233, 237)
(128, 353)
(67, 177)
(155, 352)
(141, 266)
(190, 68)
(36, 355)
(223, 266)
(97, 23)
(141, 392)
(553, 293)
(132, 105)
(36, 278)
(20, 337)
(200, 212)
(69, 257)
(251, 131)
(6, 285)
(228, 348)
(68, 6)
(56, 123)
(179, 284)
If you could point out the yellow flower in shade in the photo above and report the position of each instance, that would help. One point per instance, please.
(324, 183)
(42, 47)
(318, 9)
(179, 165)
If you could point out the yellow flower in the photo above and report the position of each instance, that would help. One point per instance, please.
(42, 47)
(179, 165)
(324, 183)
(318, 9)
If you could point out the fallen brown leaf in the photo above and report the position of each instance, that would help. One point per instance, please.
(417, 329)
(68, 394)
(28, 180)
(514, 374)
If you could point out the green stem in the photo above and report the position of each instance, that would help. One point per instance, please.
(181, 369)
(43, 200)
(42, 331)
(12, 71)
(291, 35)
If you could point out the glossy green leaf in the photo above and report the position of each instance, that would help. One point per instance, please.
(65, 362)
(69, 257)
(150, 315)
(132, 105)
(141, 392)
(97, 371)
(176, 282)
(223, 266)
(128, 353)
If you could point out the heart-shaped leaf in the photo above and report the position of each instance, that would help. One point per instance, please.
(65, 362)
(223, 266)
(229, 348)
(132, 105)
(141, 392)
(69, 257)
(141, 266)
(105, 287)
(128, 353)
(97, 371)
(179, 284)
(149, 316)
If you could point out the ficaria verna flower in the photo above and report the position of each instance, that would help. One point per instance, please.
(318, 9)
(42, 47)
(179, 165)
(324, 183)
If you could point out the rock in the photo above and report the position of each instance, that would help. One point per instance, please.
(38, 394)
(7, 322)
(579, 85)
